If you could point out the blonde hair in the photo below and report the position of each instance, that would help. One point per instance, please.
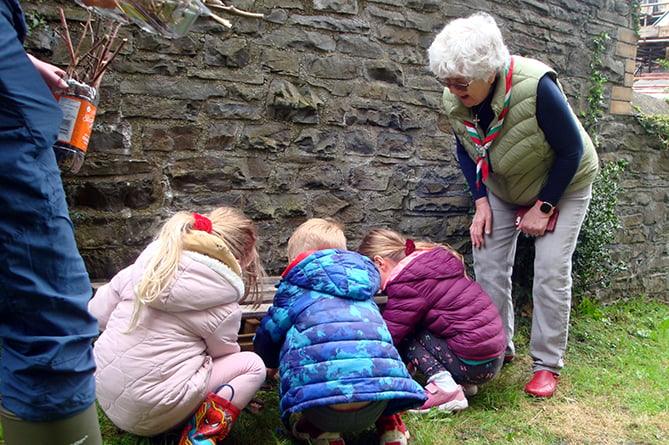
(390, 244)
(316, 234)
(229, 225)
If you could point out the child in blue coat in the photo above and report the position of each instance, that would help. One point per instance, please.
(335, 355)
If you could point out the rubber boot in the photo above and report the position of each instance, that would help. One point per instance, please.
(212, 421)
(80, 429)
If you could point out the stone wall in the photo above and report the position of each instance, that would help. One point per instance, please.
(327, 108)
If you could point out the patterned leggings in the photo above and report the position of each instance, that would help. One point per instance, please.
(431, 355)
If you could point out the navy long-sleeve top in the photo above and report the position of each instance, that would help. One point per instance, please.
(555, 119)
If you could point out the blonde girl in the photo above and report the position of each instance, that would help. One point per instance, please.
(168, 350)
(441, 321)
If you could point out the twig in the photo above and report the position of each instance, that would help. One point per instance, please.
(86, 27)
(106, 63)
(66, 37)
(90, 66)
(216, 4)
(221, 20)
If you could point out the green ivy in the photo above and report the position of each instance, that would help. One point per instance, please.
(636, 16)
(593, 266)
(656, 124)
(34, 20)
(596, 105)
(664, 63)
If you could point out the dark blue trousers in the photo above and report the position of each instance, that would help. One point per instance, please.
(46, 363)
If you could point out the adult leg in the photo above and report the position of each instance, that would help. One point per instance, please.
(46, 365)
(551, 291)
(493, 263)
(82, 428)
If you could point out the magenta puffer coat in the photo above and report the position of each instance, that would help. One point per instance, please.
(430, 290)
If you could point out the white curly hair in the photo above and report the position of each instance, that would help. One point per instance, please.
(470, 48)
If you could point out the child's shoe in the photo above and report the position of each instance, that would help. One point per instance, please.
(392, 430)
(305, 430)
(443, 400)
(212, 421)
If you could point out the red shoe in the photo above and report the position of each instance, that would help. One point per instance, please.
(508, 358)
(392, 430)
(543, 384)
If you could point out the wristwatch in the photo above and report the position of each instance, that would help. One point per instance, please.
(546, 207)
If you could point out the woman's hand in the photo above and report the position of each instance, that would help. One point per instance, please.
(482, 222)
(534, 222)
(52, 75)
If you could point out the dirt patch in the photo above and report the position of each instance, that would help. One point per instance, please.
(602, 423)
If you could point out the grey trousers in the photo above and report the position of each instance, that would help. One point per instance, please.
(551, 290)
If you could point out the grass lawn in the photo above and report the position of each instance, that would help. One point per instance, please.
(614, 389)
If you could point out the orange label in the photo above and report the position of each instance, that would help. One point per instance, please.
(77, 124)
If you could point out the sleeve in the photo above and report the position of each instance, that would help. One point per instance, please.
(402, 313)
(468, 167)
(271, 334)
(108, 296)
(223, 340)
(557, 121)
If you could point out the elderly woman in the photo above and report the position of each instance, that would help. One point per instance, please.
(520, 147)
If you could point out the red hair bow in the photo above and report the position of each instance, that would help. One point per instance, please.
(409, 247)
(202, 223)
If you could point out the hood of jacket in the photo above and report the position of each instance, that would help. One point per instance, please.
(200, 282)
(435, 264)
(336, 272)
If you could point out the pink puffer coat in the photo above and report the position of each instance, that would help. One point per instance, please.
(153, 377)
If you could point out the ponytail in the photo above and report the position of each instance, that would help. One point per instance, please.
(163, 265)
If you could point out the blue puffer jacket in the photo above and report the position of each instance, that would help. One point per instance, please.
(326, 335)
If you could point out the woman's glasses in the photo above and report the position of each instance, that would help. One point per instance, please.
(457, 86)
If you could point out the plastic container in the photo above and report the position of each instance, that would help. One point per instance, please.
(78, 103)
(168, 18)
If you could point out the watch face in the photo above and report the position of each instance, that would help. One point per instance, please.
(546, 207)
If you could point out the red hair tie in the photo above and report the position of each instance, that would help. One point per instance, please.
(202, 223)
(409, 247)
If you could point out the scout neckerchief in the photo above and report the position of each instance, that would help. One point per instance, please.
(482, 162)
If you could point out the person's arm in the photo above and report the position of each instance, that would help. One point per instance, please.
(558, 123)
(223, 340)
(107, 297)
(482, 221)
(270, 335)
(402, 314)
(52, 75)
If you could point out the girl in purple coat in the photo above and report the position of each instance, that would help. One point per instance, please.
(442, 322)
